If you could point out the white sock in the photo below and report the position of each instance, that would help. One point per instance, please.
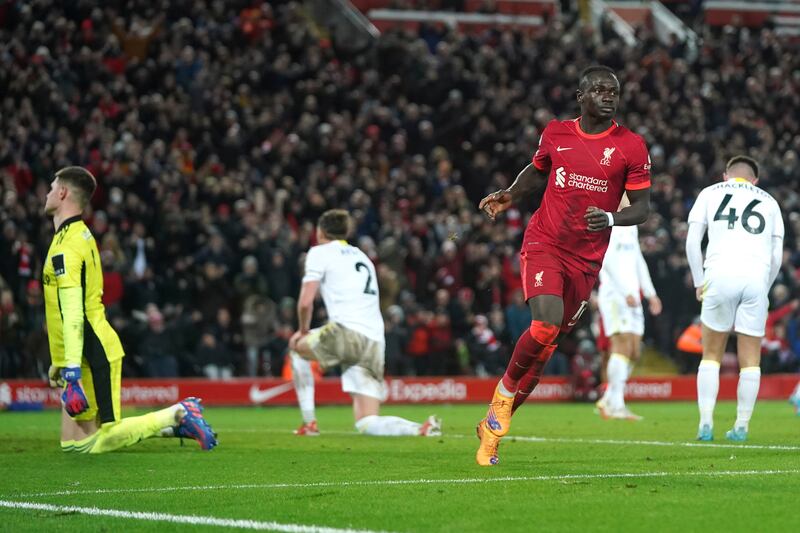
(504, 391)
(707, 389)
(387, 426)
(167, 432)
(617, 373)
(746, 393)
(303, 380)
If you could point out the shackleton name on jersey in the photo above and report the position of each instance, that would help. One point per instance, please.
(349, 287)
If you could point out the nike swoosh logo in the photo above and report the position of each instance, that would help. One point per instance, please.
(559, 149)
(260, 396)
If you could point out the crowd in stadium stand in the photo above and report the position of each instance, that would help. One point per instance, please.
(220, 131)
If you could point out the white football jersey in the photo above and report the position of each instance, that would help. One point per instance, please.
(742, 220)
(349, 286)
(624, 269)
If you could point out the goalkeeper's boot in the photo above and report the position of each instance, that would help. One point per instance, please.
(432, 427)
(487, 451)
(308, 429)
(705, 434)
(498, 418)
(194, 426)
(737, 435)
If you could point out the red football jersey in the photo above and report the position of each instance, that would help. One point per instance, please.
(585, 170)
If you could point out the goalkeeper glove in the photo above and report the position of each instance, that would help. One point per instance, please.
(54, 377)
(73, 398)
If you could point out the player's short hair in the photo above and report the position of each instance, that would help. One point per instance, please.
(583, 79)
(335, 224)
(80, 181)
(743, 160)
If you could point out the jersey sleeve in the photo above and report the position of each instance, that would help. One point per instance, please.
(315, 265)
(778, 229)
(698, 211)
(67, 267)
(541, 159)
(638, 176)
(68, 270)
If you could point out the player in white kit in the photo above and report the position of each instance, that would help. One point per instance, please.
(745, 244)
(623, 278)
(353, 336)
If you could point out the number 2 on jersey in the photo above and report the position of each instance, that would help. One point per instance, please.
(368, 287)
(747, 215)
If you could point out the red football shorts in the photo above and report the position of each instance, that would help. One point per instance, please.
(544, 272)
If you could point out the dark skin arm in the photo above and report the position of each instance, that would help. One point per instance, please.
(528, 180)
(634, 214)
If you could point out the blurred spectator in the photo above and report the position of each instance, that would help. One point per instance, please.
(584, 369)
(397, 336)
(258, 323)
(278, 345)
(485, 349)
(10, 322)
(158, 347)
(518, 315)
(690, 347)
(215, 351)
(250, 282)
(114, 267)
(777, 354)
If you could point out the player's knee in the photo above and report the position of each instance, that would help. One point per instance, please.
(544, 332)
(547, 308)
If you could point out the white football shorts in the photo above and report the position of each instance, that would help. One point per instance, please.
(735, 302)
(619, 317)
(361, 358)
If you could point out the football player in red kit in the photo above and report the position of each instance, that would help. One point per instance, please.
(586, 164)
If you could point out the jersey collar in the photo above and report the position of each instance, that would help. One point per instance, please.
(594, 135)
(68, 221)
(739, 180)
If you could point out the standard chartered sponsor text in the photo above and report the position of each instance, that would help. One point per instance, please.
(589, 183)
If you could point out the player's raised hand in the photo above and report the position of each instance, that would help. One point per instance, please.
(596, 218)
(495, 203)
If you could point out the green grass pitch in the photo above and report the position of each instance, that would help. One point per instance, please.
(566, 470)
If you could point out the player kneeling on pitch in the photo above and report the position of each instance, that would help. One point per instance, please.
(745, 245)
(353, 337)
(85, 351)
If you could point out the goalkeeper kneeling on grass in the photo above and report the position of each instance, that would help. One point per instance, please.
(85, 351)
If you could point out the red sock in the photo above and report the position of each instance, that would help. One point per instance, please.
(529, 381)
(528, 349)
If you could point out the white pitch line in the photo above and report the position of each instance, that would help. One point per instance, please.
(784, 447)
(570, 440)
(180, 519)
(390, 482)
